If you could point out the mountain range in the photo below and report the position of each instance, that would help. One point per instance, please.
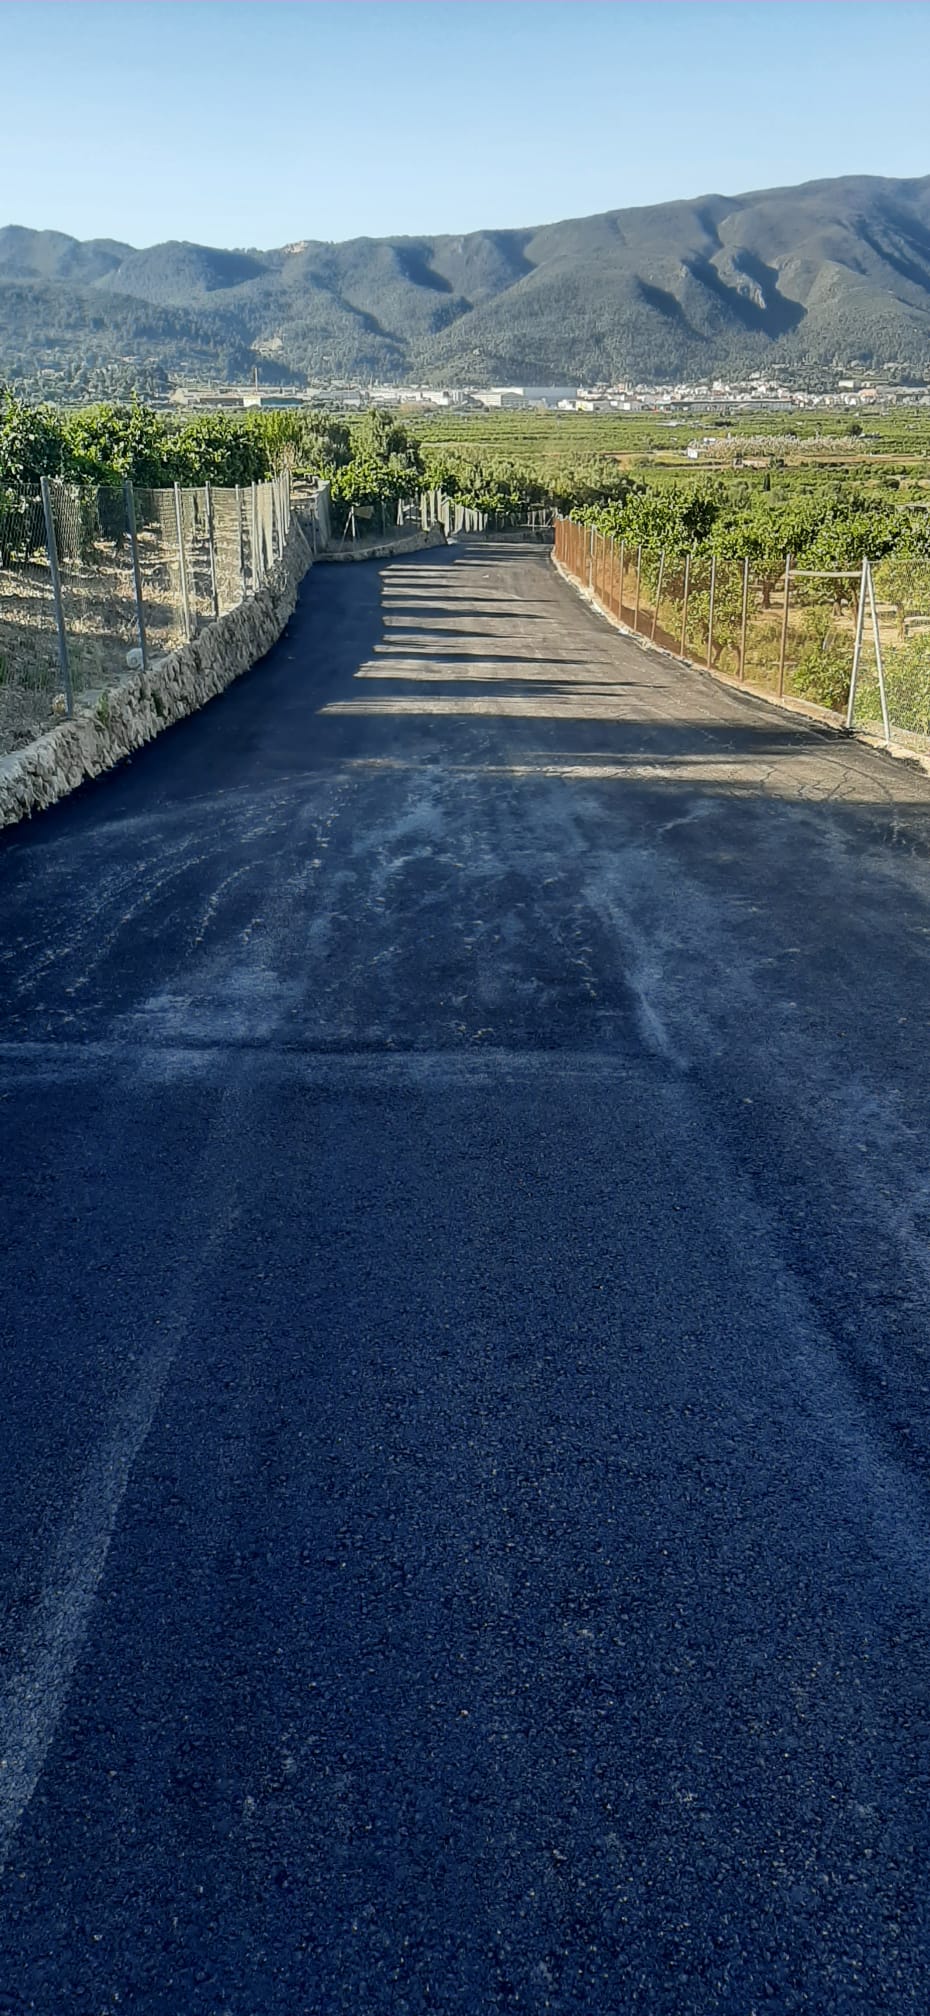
(811, 278)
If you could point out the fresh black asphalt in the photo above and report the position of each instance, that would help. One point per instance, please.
(465, 1414)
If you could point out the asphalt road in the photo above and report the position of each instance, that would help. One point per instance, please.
(464, 1464)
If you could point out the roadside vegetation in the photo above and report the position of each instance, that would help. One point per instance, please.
(825, 488)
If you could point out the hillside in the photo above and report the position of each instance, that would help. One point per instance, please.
(829, 273)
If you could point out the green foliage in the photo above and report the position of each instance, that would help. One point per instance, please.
(823, 664)
(104, 444)
(305, 442)
(215, 448)
(31, 443)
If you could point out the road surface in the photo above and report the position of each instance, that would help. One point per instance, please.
(464, 1470)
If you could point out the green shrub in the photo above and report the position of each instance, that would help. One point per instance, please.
(823, 666)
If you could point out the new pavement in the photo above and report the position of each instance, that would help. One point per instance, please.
(465, 1407)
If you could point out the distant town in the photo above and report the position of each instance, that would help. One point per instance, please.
(759, 395)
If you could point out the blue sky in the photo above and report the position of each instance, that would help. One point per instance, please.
(242, 124)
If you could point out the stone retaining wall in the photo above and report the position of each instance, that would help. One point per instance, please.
(110, 723)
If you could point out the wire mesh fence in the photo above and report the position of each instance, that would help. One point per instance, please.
(855, 641)
(95, 582)
(534, 521)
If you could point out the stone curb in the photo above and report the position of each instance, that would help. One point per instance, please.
(117, 719)
(387, 549)
(819, 717)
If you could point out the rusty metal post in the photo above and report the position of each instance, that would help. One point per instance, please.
(745, 615)
(684, 607)
(622, 571)
(710, 612)
(655, 613)
(784, 628)
(639, 570)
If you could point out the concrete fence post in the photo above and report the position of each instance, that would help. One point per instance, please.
(52, 544)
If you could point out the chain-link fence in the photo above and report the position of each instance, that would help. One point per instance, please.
(857, 642)
(97, 581)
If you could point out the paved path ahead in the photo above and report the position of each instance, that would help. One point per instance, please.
(464, 1489)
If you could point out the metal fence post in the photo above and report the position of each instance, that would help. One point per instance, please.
(622, 572)
(182, 562)
(241, 544)
(639, 571)
(784, 629)
(878, 652)
(211, 541)
(655, 613)
(857, 647)
(52, 545)
(710, 612)
(745, 615)
(130, 504)
(684, 606)
(256, 558)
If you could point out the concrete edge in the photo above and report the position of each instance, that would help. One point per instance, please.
(808, 710)
(114, 720)
(385, 549)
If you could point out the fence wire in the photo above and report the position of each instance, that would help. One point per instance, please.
(30, 674)
(792, 633)
(199, 551)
